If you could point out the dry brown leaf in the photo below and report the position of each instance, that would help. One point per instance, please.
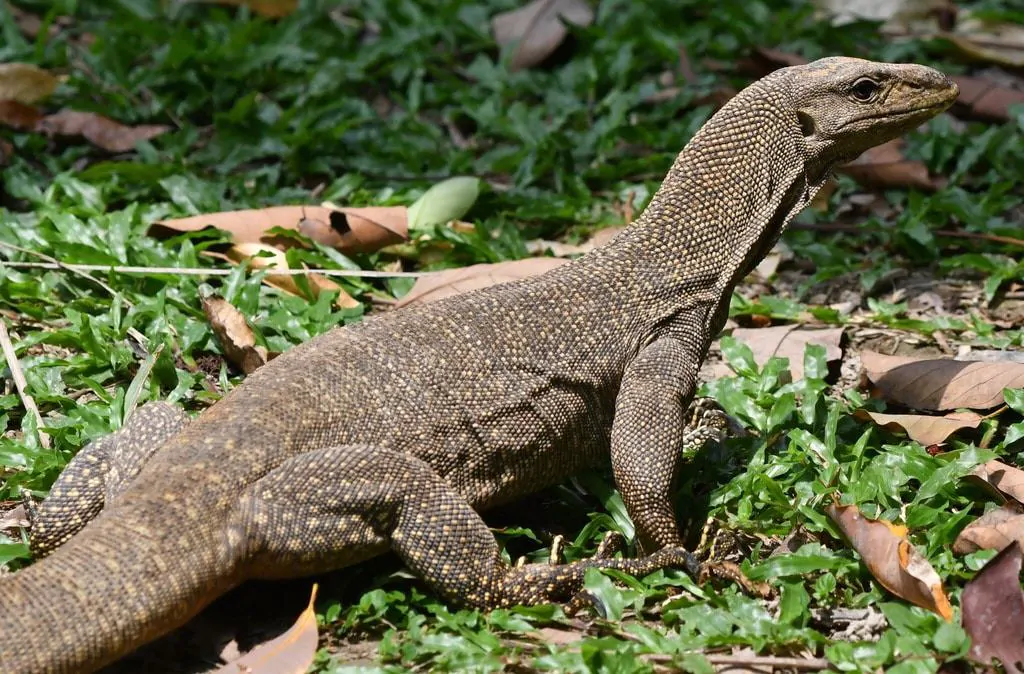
(559, 249)
(1006, 480)
(101, 131)
(262, 256)
(925, 429)
(992, 608)
(14, 518)
(289, 653)
(456, 281)
(25, 83)
(992, 531)
(789, 341)
(990, 41)
(556, 636)
(885, 166)
(895, 13)
(984, 99)
(233, 333)
(350, 230)
(538, 28)
(892, 560)
(941, 384)
(271, 9)
(20, 116)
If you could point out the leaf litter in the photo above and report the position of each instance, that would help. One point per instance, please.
(992, 605)
(537, 28)
(892, 559)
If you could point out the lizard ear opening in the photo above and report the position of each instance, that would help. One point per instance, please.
(806, 123)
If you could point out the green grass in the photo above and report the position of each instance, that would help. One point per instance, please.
(355, 108)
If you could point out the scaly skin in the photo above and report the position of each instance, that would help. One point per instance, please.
(393, 433)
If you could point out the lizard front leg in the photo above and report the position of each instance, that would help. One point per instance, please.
(98, 473)
(333, 507)
(648, 437)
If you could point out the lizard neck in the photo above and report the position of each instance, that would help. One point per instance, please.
(720, 209)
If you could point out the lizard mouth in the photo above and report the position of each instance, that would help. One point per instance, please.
(925, 110)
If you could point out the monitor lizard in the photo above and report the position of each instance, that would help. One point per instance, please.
(395, 432)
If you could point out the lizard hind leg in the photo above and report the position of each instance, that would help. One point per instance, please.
(98, 473)
(333, 507)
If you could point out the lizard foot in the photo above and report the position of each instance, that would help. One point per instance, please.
(563, 583)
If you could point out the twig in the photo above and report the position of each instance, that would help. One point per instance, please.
(19, 382)
(816, 664)
(952, 233)
(199, 271)
(977, 235)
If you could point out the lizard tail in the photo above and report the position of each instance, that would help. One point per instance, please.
(115, 586)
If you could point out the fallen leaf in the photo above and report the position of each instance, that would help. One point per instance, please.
(884, 166)
(928, 430)
(271, 9)
(892, 560)
(990, 41)
(941, 384)
(1006, 480)
(25, 83)
(538, 28)
(350, 230)
(447, 200)
(896, 13)
(14, 518)
(19, 116)
(289, 653)
(233, 333)
(789, 341)
(769, 264)
(992, 605)
(559, 249)
(556, 636)
(984, 99)
(101, 131)
(464, 279)
(262, 256)
(992, 531)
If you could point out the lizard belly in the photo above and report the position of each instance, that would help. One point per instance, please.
(526, 435)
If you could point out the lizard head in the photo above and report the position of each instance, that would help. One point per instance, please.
(846, 105)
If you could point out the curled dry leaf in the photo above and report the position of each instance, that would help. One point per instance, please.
(261, 256)
(992, 41)
(538, 28)
(992, 531)
(289, 653)
(19, 116)
(789, 341)
(1004, 479)
(456, 281)
(233, 333)
(941, 383)
(896, 13)
(892, 560)
(350, 230)
(922, 428)
(559, 249)
(992, 605)
(885, 167)
(25, 83)
(101, 131)
(984, 99)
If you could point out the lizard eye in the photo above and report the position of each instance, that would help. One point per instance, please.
(864, 90)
